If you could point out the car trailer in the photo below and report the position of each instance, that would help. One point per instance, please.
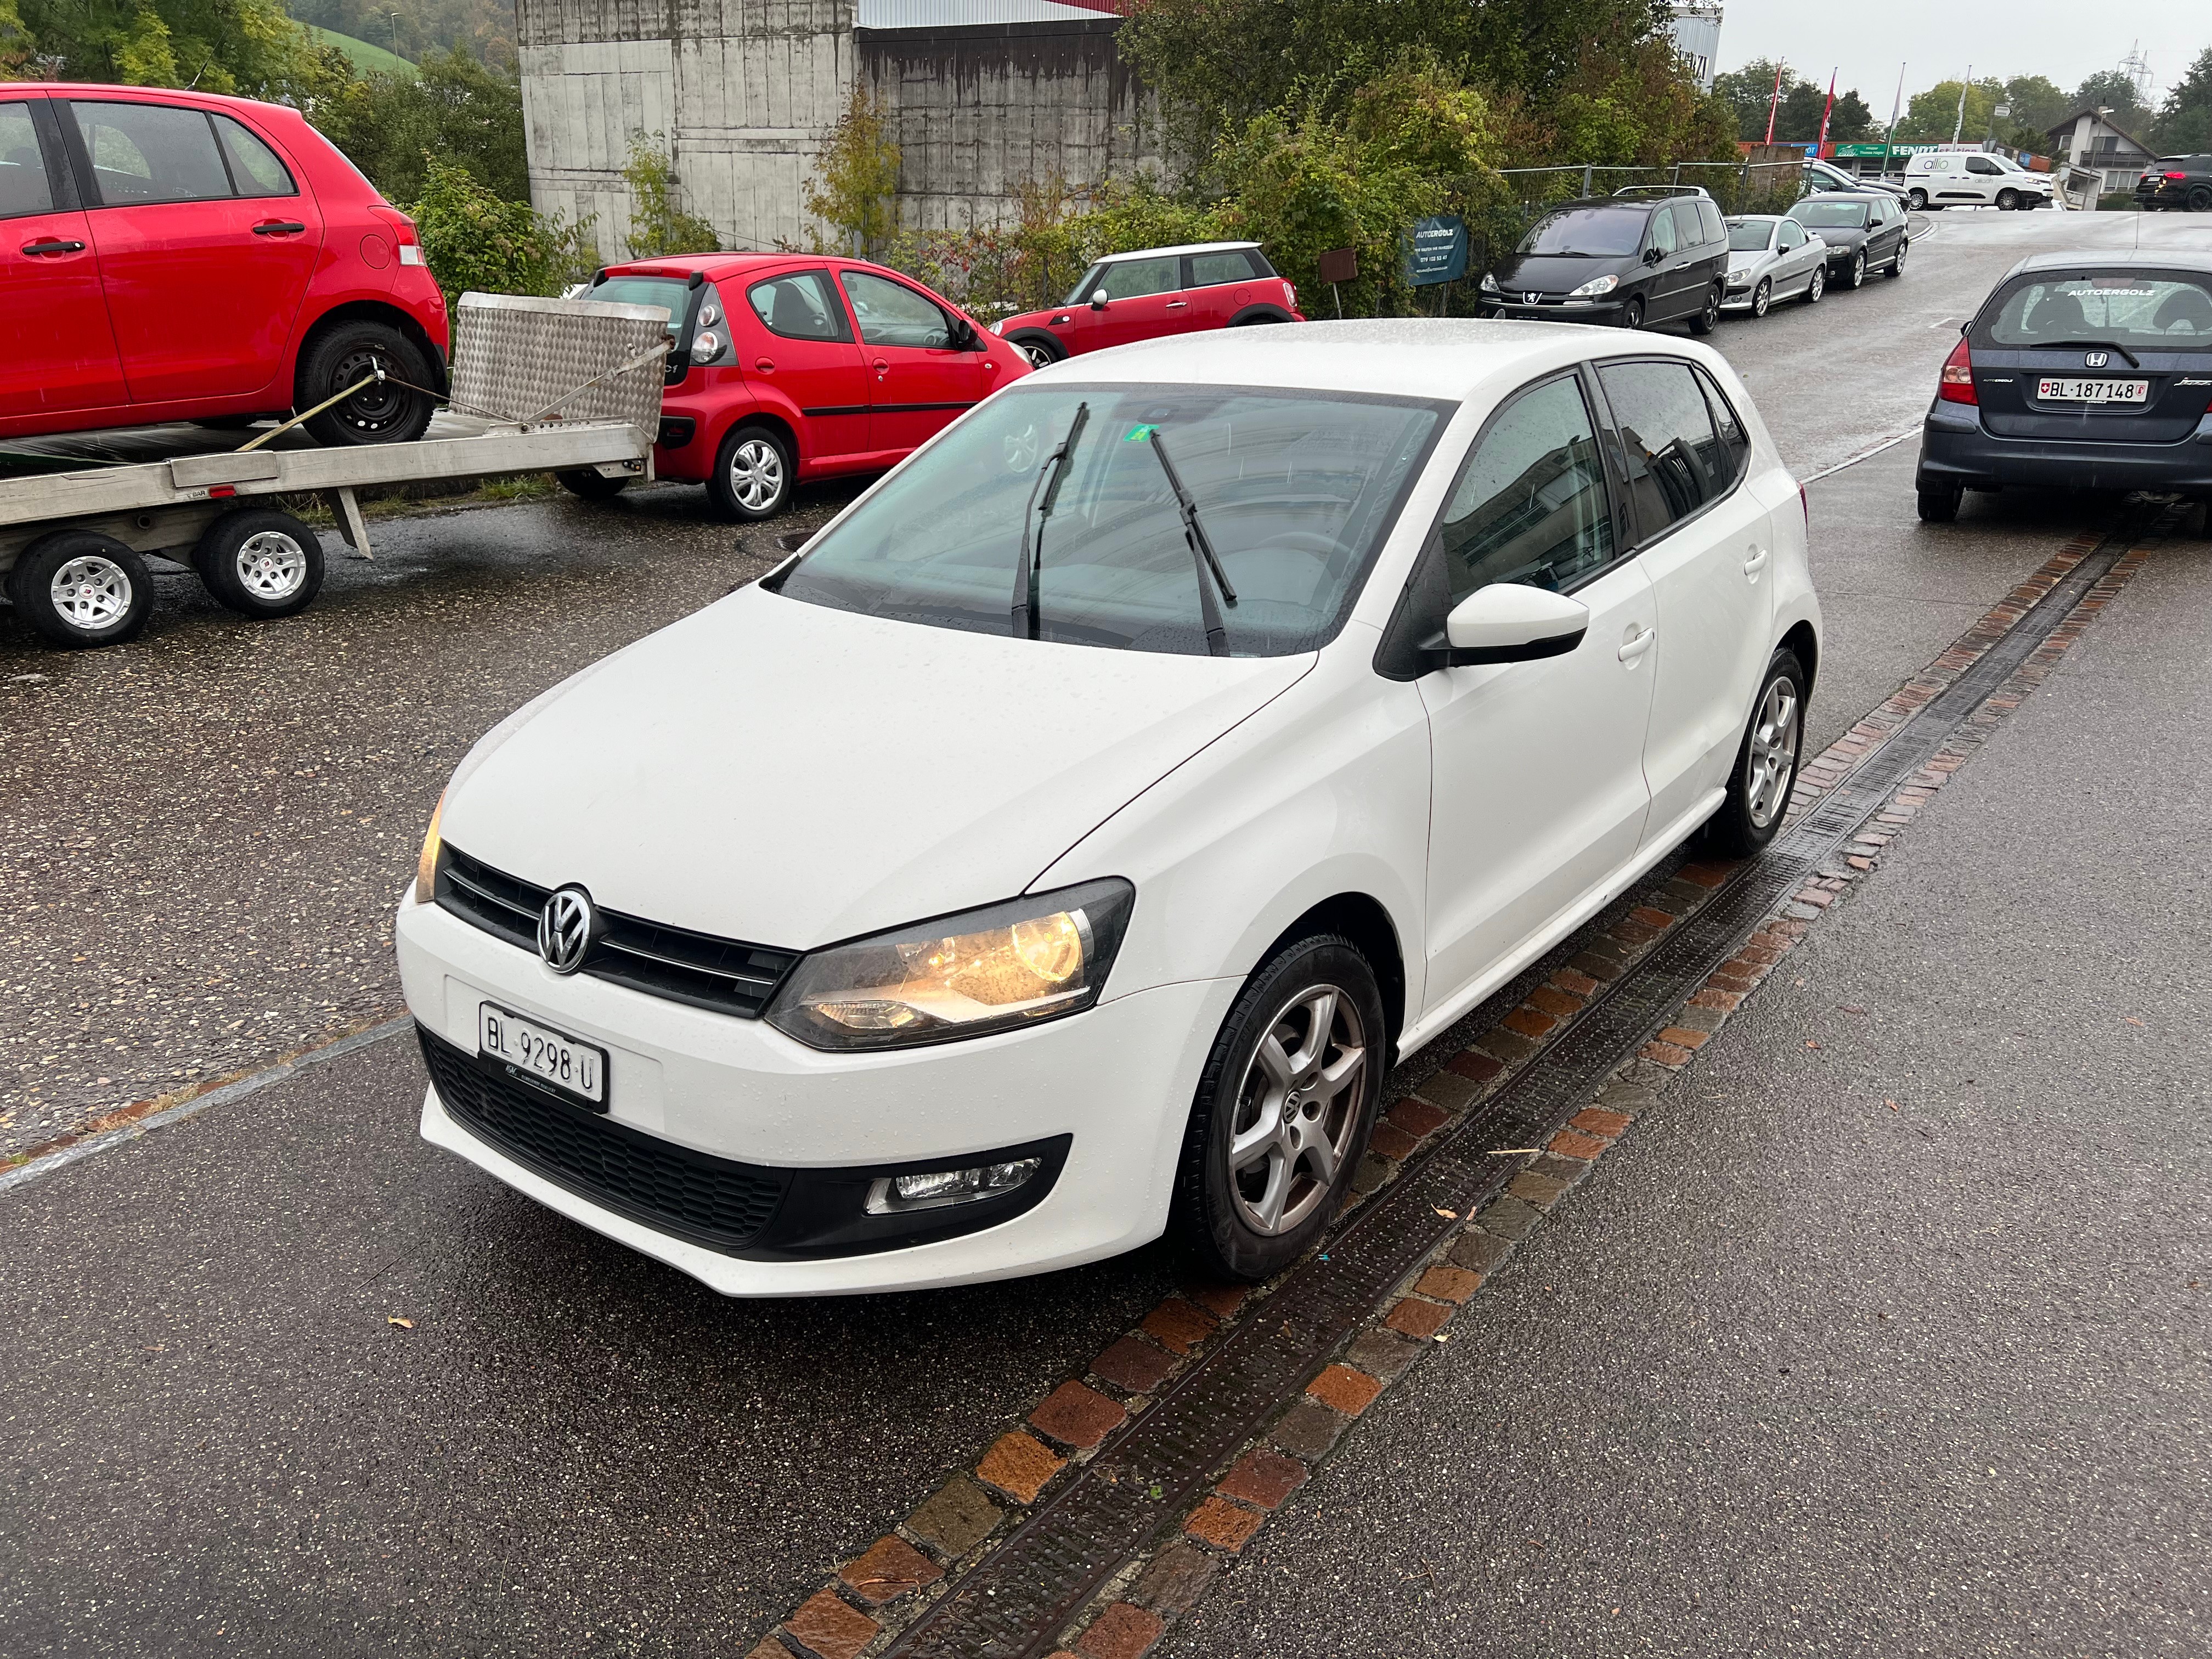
(73, 545)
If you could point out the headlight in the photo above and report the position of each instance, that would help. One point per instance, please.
(425, 867)
(1595, 286)
(1490, 284)
(1006, 965)
(999, 328)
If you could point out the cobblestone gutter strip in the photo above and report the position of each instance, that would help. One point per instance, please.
(916, 1590)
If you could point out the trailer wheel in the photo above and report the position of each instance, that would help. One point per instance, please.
(590, 485)
(80, 588)
(260, 562)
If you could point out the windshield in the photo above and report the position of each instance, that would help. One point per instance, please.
(1750, 238)
(2141, 311)
(1084, 289)
(1294, 490)
(671, 292)
(1831, 215)
(1598, 231)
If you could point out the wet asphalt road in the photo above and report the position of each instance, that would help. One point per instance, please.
(210, 1426)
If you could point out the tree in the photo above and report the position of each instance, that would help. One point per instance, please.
(855, 189)
(467, 115)
(657, 224)
(244, 46)
(1933, 115)
(2114, 91)
(472, 240)
(1747, 92)
(2184, 124)
(2037, 105)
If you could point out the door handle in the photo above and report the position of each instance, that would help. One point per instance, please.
(1756, 561)
(279, 227)
(1637, 644)
(35, 249)
(882, 368)
(1176, 305)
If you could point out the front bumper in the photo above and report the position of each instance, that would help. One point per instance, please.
(1115, 1082)
(1955, 449)
(1607, 311)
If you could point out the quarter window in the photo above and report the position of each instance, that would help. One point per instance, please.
(1211, 270)
(23, 186)
(1531, 505)
(893, 314)
(145, 152)
(1675, 461)
(800, 306)
(254, 168)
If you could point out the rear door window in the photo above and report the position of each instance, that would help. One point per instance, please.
(23, 186)
(1676, 463)
(148, 153)
(1132, 279)
(1709, 219)
(2137, 310)
(800, 306)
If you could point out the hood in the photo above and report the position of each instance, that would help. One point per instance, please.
(786, 774)
(1552, 273)
(1839, 236)
(1745, 259)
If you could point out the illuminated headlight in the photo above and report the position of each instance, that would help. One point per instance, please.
(1490, 284)
(939, 1187)
(1008, 965)
(410, 254)
(999, 328)
(1595, 286)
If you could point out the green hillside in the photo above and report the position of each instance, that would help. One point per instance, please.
(365, 56)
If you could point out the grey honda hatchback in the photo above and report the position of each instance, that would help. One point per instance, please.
(2081, 371)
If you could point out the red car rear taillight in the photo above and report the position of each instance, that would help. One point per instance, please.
(403, 234)
(1957, 385)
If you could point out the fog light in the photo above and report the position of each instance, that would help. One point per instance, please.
(941, 1186)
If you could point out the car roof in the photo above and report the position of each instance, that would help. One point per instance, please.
(2195, 261)
(110, 92)
(1389, 357)
(1185, 248)
(1845, 195)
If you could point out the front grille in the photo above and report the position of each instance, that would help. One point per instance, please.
(713, 1201)
(723, 975)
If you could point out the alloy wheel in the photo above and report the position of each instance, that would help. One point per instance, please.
(1039, 356)
(1298, 1110)
(756, 474)
(1761, 297)
(1773, 757)
(90, 593)
(1818, 286)
(272, 566)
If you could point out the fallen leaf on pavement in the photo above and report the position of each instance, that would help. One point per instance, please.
(403, 1324)
(1809, 1043)
(1449, 1215)
(1891, 1105)
(2132, 1020)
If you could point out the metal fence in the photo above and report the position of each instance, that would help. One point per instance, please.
(1738, 187)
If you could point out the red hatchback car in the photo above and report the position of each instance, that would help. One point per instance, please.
(1155, 291)
(170, 256)
(794, 367)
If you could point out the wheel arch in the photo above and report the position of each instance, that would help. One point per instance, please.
(371, 311)
(757, 414)
(1043, 336)
(1258, 313)
(1803, 642)
(1361, 918)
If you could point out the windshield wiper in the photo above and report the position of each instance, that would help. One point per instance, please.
(2099, 345)
(1201, 550)
(1027, 615)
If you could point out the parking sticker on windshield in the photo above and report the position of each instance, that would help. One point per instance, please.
(1137, 434)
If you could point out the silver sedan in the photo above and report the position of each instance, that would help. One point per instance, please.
(1771, 258)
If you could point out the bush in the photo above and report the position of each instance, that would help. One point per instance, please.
(473, 240)
(658, 226)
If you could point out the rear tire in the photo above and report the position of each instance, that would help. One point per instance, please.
(260, 563)
(1766, 770)
(1938, 506)
(1709, 319)
(386, 413)
(588, 484)
(81, 589)
(2199, 199)
(754, 471)
(1298, 1114)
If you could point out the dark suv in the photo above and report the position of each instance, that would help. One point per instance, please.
(2177, 182)
(1629, 260)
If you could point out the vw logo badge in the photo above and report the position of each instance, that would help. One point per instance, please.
(2094, 359)
(567, 927)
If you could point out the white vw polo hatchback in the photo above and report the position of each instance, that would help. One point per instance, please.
(1063, 846)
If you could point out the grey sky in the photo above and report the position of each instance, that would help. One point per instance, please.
(2059, 39)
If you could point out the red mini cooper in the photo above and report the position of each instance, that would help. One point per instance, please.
(169, 256)
(789, 367)
(1155, 291)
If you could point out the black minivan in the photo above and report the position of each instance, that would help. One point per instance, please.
(1629, 260)
(2083, 371)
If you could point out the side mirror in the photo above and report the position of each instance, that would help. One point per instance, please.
(1099, 301)
(1652, 255)
(1511, 622)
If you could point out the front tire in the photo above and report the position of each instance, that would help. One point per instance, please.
(753, 474)
(1855, 277)
(260, 563)
(1917, 200)
(2007, 201)
(80, 589)
(1765, 764)
(1284, 1109)
(1819, 285)
(1897, 262)
(1631, 315)
(1938, 505)
(395, 411)
(1709, 319)
(1762, 297)
(1043, 350)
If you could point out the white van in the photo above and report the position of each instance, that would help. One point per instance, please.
(1965, 178)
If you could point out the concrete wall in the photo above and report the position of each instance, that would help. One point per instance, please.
(747, 91)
